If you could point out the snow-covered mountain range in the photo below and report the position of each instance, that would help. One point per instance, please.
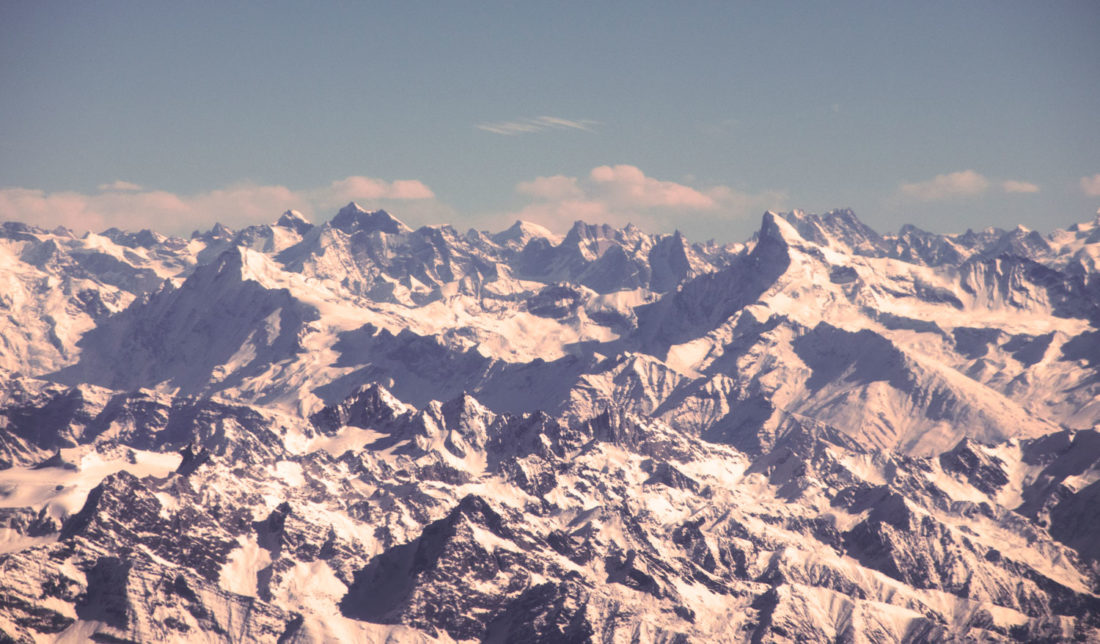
(357, 431)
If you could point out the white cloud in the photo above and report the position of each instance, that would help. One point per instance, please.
(1091, 185)
(119, 186)
(625, 186)
(966, 183)
(955, 185)
(557, 187)
(622, 194)
(128, 206)
(1019, 187)
(537, 124)
(367, 189)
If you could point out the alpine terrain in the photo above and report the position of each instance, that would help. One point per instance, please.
(357, 431)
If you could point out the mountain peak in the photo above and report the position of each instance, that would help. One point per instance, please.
(621, 419)
(352, 219)
(528, 227)
(522, 231)
(352, 208)
(837, 227)
(295, 221)
(218, 232)
(777, 227)
(582, 231)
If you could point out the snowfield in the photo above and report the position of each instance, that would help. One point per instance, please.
(358, 431)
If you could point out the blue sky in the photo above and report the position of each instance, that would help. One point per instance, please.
(699, 117)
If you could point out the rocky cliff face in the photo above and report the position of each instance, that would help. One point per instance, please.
(361, 432)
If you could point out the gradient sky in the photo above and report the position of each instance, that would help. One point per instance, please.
(947, 115)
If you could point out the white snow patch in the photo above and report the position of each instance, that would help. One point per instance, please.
(240, 571)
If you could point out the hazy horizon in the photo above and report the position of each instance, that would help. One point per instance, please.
(694, 118)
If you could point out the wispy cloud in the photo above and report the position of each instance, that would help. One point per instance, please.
(537, 124)
(555, 188)
(626, 186)
(966, 183)
(1091, 185)
(126, 205)
(1019, 187)
(958, 185)
(622, 194)
(367, 189)
(119, 186)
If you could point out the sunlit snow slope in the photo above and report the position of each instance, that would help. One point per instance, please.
(361, 431)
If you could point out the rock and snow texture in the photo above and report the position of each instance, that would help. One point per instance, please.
(358, 431)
